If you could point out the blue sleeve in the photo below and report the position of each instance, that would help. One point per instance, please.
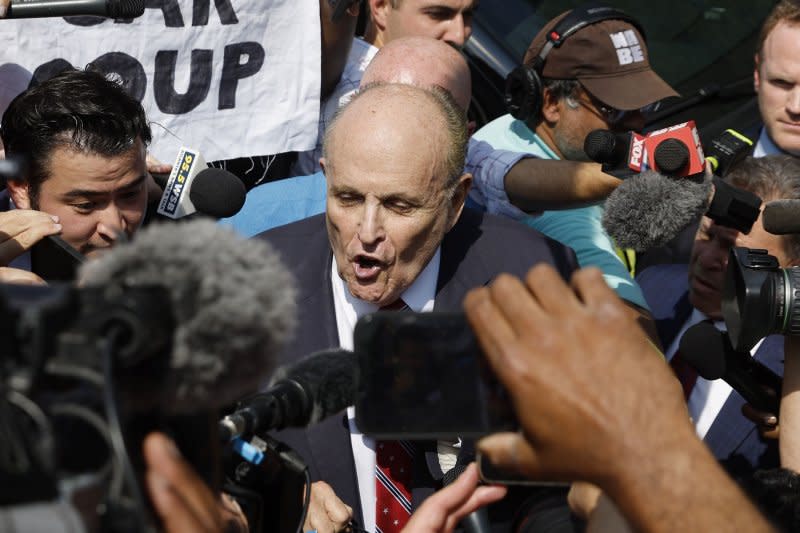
(279, 202)
(581, 230)
(489, 168)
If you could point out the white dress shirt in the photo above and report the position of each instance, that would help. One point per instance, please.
(707, 397)
(765, 145)
(419, 297)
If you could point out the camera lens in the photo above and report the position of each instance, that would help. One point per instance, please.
(787, 292)
(759, 298)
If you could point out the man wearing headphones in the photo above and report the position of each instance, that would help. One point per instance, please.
(586, 69)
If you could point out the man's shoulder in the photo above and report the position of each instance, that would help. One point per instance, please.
(668, 276)
(508, 133)
(505, 245)
(288, 233)
(278, 203)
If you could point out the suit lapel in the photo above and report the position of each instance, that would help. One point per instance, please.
(666, 290)
(456, 274)
(316, 329)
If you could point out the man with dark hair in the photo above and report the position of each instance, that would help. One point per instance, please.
(777, 81)
(84, 141)
(681, 296)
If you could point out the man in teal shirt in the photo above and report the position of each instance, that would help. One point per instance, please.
(598, 78)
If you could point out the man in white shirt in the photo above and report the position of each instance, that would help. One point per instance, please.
(395, 228)
(777, 81)
(679, 303)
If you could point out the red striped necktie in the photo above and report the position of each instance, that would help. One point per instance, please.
(392, 485)
(393, 462)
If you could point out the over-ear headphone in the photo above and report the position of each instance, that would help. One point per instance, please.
(523, 96)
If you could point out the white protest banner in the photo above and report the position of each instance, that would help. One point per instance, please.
(232, 77)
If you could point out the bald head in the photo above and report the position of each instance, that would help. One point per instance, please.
(370, 119)
(423, 62)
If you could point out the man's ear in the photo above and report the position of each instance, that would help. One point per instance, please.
(459, 197)
(551, 110)
(378, 12)
(18, 190)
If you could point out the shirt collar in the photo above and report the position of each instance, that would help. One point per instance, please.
(765, 145)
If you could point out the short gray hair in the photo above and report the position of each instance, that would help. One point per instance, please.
(774, 177)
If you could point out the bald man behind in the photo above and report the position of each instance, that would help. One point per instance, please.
(532, 184)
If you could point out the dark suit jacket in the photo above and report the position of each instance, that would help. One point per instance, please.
(478, 248)
(733, 439)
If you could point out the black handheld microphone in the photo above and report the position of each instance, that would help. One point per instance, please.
(193, 187)
(710, 352)
(782, 217)
(117, 9)
(304, 393)
(477, 521)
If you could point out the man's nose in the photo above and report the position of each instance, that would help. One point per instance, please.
(793, 101)
(111, 222)
(458, 31)
(370, 230)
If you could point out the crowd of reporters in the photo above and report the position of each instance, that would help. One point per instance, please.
(400, 208)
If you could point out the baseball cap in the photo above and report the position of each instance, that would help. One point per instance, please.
(610, 60)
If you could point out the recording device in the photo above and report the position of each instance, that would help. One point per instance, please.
(711, 353)
(477, 521)
(304, 393)
(193, 187)
(782, 217)
(675, 151)
(117, 9)
(53, 259)
(759, 298)
(422, 375)
(726, 150)
(163, 332)
(649, 209)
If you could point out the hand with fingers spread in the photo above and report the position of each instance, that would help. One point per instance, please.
(22, 228)
(546, 341)
(326, 512)
(597, 403)
(442, 511)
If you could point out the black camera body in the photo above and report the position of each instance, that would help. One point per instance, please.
(759, 298)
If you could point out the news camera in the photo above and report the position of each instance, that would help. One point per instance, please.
(72, 363)
(759, 298)
(84, 378)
